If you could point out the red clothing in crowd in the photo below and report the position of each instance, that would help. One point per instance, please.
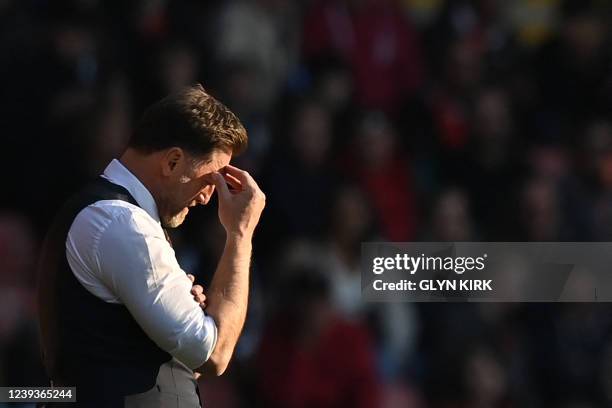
(376, 40)
(391, 192)
(337, 369)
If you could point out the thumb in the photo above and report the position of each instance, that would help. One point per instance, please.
(221, 186)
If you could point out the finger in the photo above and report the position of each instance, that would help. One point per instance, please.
(221, 186)
(197, 290)
(200, 298)
(233, 182)
(191, 277)
(243, 176)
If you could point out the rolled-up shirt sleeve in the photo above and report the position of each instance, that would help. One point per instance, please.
(140, 267)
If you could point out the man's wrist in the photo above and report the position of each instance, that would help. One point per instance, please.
(239, 240)
(239, 237)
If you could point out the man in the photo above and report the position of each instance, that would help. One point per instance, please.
(117, 313)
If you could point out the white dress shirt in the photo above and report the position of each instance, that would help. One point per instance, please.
(119, 253)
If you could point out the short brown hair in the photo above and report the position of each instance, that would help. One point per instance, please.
(192, 120)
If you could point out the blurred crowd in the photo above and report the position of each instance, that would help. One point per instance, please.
(407, 120)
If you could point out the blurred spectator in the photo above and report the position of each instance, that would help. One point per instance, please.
(540, 211)
(311, 357)
(376, 40)
(486, 380)
(178, 67)
(350, 224)
(261, 34)
(383, 171)
(300, 179)
(20, 363)
(451, 219)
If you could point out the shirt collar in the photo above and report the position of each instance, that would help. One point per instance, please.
(117, 173)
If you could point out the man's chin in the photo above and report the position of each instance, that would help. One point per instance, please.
(176, 219)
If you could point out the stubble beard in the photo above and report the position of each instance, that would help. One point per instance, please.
(175, 220)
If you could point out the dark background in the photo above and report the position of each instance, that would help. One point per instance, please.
(413, 120)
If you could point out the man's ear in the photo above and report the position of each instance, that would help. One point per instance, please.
(172, 160)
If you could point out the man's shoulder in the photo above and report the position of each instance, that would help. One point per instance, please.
(122, 216)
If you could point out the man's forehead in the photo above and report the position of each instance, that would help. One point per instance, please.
(216, 162)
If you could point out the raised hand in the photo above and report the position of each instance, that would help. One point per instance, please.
(241, 201)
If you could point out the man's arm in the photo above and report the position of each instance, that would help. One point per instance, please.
(138, 265)
(227, 298)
